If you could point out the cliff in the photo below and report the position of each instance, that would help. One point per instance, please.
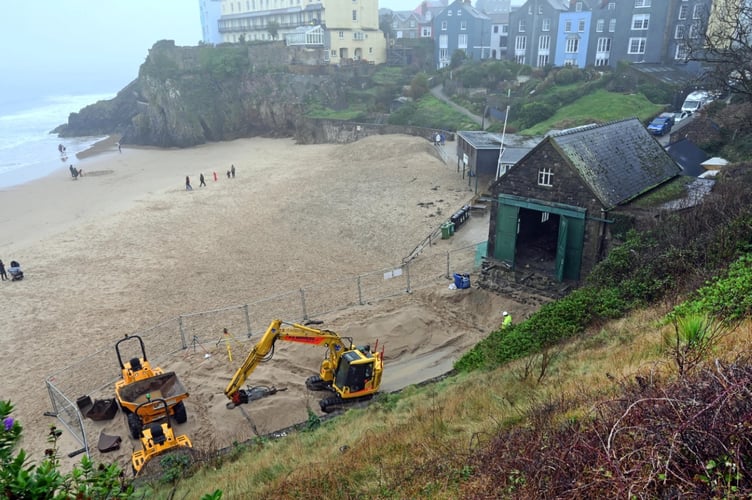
(185, 96)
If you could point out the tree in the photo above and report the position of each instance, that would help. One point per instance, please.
(386, 25)
(458, 57)
(272, 27)
(722, 41)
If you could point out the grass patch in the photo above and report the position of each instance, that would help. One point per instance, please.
(599, 107)
(673, 190)
(433, 113)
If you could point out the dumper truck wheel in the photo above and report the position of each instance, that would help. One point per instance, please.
(181, 415)
(134, 425)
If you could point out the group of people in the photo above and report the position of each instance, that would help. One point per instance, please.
(202, 180)
(76, 172)
(14, 269)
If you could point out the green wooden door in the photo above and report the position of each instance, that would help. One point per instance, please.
(561, 247)
(506, 233)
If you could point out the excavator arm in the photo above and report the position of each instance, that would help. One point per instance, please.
(288, 332)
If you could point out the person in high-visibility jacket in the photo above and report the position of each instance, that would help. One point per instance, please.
(507, 321)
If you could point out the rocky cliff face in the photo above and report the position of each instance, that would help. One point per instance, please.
(185, 96)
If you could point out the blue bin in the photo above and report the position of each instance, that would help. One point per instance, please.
(461, 280)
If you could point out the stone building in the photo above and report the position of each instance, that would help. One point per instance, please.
(553, 210)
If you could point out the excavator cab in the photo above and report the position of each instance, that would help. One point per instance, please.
(355, 371)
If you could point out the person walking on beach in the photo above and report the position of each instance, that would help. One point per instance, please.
(188, 184)
(228, 174)
(232, 170)
(201, 181)
(215, 176)
(2, 271)
(119, 149)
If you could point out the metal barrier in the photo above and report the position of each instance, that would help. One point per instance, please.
(99, 371)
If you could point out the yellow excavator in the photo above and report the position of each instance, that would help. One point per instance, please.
(352, 373)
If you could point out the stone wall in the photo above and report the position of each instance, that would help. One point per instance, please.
(323, 131)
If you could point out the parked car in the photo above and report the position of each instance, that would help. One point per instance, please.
(671, 117)
(660, 125)
(696, 100)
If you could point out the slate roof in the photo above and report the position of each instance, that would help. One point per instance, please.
(688, 156)
(618, 160)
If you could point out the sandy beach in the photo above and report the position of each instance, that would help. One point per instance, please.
(126, 247)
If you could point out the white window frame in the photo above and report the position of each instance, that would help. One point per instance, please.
(520, 43)
(680, 32)
(696, 11)
(603, 44)
(572, 45)
(641, 43)
(581, 26)
(683, 12)
(443, 25)
(545, 177)
(611, 5)
(544, 42)
(682, 52)
(639, 4)
(600, 24)
(568, 26)
(462, 41)
(546, 24)
(521, 26)
(463, 25)
(612, 25)
(640, 22)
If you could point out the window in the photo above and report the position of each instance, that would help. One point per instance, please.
(443, 41)
(545, 177)
(581, 26)
(681, 52)
(520, 58)
(599, 24)
(611, 5)
(640, 21)
(355, 15)
(697, 11)
(546, 24)
(612, 25)
(578, 7)
(521, 26)
(680, 32)
(443, 25)
(544, 42)
(341, 35)
(601, 61)
(449, 13)
(358, 35)
(459, 12)
(544, 216)
(694, 31)
(542, 60)
(520, 43)
(637, 45)
(641, 3)
(462, 41)
(568, 27)
(504, 29)
(334, 53)
(540, 10)
(495, 29)
(683, 11)
(573, 45)
(463, 25)
(425, 32)
(603, 45)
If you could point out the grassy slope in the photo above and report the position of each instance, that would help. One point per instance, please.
(417, 444)
(601, 106)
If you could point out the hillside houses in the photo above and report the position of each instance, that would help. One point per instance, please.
(569, 32)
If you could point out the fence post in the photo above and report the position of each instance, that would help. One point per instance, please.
(407, 276)
(247, 319)
(447, 273)
(182, 331)
(302, 302)
(360, 293)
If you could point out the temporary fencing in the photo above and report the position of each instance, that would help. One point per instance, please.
(426, 266)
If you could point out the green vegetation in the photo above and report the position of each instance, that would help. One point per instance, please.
(432, 113)
(599, 107)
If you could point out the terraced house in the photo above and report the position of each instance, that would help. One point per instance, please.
(604, 32)
(345, 31)
(461, 27)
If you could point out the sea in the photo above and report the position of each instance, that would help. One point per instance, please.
(28, 149)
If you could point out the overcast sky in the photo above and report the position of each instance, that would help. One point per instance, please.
(85, 46)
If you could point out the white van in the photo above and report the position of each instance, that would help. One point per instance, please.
(695, 101)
